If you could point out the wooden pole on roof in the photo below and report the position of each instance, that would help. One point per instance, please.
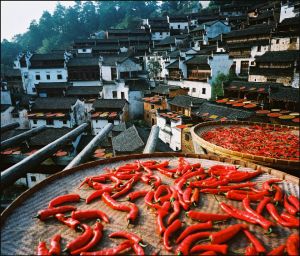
(10, 126)
(152, 140)
(90, 148)
(13, 173)
(21, 137)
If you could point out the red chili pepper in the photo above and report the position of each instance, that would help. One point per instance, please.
(267, 184)
(157, 181)
(175, 213)
(97, 236)
(55, 248)
(290, 208)
(236, 177)
(262, 204)
(137, 249)
(89, 214)
(184, 247)
(215, 191)
(220, 169)
(273, 212)
(148, 200)
(124, 234)
(169, 231)
(250, 251)
(136, 194)
(278, 195)
(97, 194)
(126, 188)
(209, 253)
(219, 248)
(187, 195)
(110, 251)
(256, 243)
(42, 249)
(124, 176)
(179, 185)
(183, 204)
(145, 179)
(205, 216)
(194, 228)
(115, 180)
(133, 213)
(227, 233)
(266, 224)
(237, 186)
(166, 173)
(160, 165)
(81, 240)
(187, 176)
(236, 213)
(213, 184)
(161, 213)
(292, 244)
(46, 213)
(148, 171)
(294, 201)
(235, 195)
(70, 222)
(174, 194)
(195, 197)
(279, 251)
(160, 190)
(290, 218)
(64, 199)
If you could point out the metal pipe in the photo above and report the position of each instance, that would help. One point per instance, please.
(16, 171)
(152, 140)
(21, 137)
(10, 126)
(90, 148)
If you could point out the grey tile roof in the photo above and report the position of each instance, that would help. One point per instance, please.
(165, 89)
(171, 39)
(85, 139)
(198, 59)
(127, 141)
(47, 136)
(278, 56)
(4, 107)
(253, 30)
(186, 101)
(53, 103)
(47, 56)
(84, 90)
(174, 64)
(54, 85)
(137, 84)
(11, 133)
(286, 94)
(222, 111)
(109, 104)
(80, 62)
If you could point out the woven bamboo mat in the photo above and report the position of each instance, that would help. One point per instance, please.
(286, 165)
(20, 233)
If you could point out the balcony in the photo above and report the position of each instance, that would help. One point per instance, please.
(198, 76)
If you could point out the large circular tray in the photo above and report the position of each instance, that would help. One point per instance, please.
(20, 233)
(198, 130)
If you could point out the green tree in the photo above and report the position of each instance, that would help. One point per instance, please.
(217, 84)
(154, 68)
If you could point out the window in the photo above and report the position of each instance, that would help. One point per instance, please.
(122, 95)
(37, 77)
(259, 48)
(193, 89)
(48, 76)
(152, 106)
(49, 122)
(293, 40)
(26, 76)
(59, 76)
(203, 90)
(178, 26)
(34, 121)
(115, 95)
(153, 121)
(277, 41)
(84, 50)
(33, 178)
(186, 137)
(64, 121)
(185, 27)
(33, 89)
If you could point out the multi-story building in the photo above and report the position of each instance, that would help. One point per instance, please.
(45, 68)
(106, 111)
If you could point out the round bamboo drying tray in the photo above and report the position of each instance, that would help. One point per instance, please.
(20, 233)
(198, 130)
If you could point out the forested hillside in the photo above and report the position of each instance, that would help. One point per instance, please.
(57, 30)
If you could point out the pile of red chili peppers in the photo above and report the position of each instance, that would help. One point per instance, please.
(267, 141)
(168, 202)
